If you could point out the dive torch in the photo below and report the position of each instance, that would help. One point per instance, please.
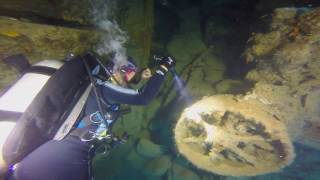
(158, 60)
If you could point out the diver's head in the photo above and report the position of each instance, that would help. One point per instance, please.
(126, 73)
(129, 70)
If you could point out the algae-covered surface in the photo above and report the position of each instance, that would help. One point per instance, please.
(250, 71)
(40, 42)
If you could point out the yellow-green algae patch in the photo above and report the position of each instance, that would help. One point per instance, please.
(39, 42)
(236, 138)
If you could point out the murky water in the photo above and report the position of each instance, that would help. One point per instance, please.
(221, 47)
(224, 28)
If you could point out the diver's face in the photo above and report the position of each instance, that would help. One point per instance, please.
(124, 79)
(130, 76)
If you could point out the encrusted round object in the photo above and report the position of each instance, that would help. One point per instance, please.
(229, 137)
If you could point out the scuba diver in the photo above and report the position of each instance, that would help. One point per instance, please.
(70, 158)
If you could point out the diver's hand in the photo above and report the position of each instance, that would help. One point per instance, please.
(146, 74)
(167, 62)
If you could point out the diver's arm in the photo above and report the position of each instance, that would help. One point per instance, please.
(142, 96)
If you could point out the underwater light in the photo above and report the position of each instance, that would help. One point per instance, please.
(180, 86)
(210, 130)
(193, 114)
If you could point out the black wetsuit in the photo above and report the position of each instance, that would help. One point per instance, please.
(113, 93)
(68, 159)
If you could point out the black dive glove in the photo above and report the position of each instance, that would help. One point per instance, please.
(167, 62)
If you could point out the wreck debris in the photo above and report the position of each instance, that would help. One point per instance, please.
(231, 137)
